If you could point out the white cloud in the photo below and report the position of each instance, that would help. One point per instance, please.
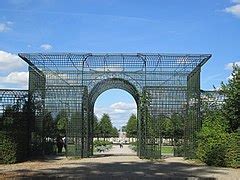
(19, 79)
(229, 66)
(46, 47)
(123, 106)
(235, 10)
(119, 112)
(4, 27)
(9, 61)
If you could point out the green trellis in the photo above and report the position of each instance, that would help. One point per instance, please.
(161, 84)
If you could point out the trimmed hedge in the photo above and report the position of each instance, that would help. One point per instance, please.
(101, 143)
(8, 149)
(232, 156)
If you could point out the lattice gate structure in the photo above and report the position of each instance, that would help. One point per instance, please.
(161, 84)
(12, 98)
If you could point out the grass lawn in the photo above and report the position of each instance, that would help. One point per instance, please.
(167, 149)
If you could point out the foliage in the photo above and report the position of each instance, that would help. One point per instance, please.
(8, 149)
(218, 140)
(167, 127)
(114, 132)
(179, 151)
(96, 130)
(124, 128)
(231, 105)
(61, 122)
(232, 156)
(101, 143)
(178, 126)
(105, 126)
(133, 145)
(131, 127)
(212, 140)
(15, 133)
(48, 126)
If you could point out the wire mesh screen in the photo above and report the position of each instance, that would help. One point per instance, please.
(163, 86)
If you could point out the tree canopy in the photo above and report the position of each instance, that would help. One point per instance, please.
(231, 90)
(131, 127)
(105, 126)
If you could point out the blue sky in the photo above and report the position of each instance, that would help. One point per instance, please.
(179, 26)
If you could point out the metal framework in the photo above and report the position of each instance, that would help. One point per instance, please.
(161, 84)
(10, 97)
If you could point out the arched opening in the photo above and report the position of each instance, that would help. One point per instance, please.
(118, 99)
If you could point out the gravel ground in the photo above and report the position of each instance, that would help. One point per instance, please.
(115, 164)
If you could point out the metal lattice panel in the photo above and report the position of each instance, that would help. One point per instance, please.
(9, 97)
(73, 81)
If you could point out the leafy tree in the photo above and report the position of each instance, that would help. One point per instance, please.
(178, 126)
(61, 122)
(131, 127)
(212, 139)
(95, 126)
(167, 127)
(124, 128)
(114, 132)
(231, 105)
(105, 126)
(48, 126)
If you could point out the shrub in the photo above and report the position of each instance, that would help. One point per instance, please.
(178, 151)
(101, 143)
(133, 145)
(212, 140)
(8, 149)
(232, 157)
(49, 148)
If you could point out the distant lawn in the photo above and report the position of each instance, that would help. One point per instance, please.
(167, 149)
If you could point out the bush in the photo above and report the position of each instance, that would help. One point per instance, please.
(101, 143)
(49, 148)
(232, 156)
(212, 140)
(8, 149)
(133, 145)
(179, 151)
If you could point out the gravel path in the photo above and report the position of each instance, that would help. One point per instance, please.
(115, 164)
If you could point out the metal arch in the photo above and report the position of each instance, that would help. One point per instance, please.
(171, 81)
(117, 83)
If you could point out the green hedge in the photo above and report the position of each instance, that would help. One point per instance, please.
(101, 143)
(221, 151)
(8, 149)
(232, 156)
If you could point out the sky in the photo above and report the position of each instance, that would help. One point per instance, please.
(147, 26)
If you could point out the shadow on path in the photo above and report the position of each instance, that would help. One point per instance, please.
(116, 166)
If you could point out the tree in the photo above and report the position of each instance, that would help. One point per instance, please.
(167, 127)
(114, 132)
(231, 104)
(131, 127)
(95, 126)
(105, 126)
(48, 126)
(178, 126)
(61, 122)
(124, 128)
(212, 139)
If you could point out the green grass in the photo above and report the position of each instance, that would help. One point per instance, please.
(167, 149)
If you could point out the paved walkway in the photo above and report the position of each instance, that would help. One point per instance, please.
(116, 150)
(123, 165)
